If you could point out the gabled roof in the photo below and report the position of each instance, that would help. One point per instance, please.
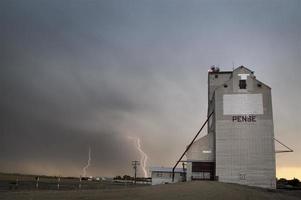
(229, 72)
(240, 67)
(252, 72)
(243, 67)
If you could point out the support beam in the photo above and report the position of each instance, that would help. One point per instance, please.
(283, 151)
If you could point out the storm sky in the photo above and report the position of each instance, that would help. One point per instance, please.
(82, 73)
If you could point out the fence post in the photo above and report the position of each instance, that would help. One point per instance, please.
(58, 182)
(37, 182)
(80, 182)
(17, 182)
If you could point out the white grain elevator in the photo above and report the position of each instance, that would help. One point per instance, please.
(239, 147)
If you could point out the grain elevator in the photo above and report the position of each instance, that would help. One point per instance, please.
(239, 146)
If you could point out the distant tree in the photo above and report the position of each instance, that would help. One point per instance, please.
(282, 180)
(117, 177)
(294, 182)
(127, 177)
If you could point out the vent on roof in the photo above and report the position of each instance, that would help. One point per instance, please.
(214, 69)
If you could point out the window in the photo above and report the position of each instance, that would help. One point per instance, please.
(242, 84)
(159, 174)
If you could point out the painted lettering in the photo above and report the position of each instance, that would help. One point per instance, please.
(244, 118)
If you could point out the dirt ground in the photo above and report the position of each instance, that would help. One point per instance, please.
(180, 191)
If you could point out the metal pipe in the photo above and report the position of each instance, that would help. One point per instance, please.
(288, 151)
(285, 151)
(173, 169)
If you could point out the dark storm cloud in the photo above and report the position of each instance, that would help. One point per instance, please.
(75, 74)
(57, 116)
(55, 103)
(65, 88)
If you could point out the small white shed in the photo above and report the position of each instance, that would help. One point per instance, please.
(163, 175)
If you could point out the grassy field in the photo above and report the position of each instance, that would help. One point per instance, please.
(21, 182)
(180, 191)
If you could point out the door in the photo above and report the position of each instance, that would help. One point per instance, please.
(202, 171)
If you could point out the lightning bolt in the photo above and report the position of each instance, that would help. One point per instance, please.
(88, 164)
(143, 155)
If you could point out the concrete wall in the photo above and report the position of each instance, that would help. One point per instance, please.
(188, 171)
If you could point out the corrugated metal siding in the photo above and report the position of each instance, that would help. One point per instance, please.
(245, 151)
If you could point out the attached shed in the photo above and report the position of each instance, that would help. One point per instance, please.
(200, 159)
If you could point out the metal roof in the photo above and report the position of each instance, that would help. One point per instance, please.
(166, 169)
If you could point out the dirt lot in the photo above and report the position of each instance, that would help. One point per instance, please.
(184, 191)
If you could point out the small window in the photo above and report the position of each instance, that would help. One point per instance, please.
(225, 85)
(242, 84)
(259, 85)
(216, 76)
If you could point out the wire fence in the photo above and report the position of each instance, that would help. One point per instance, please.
(40, 183)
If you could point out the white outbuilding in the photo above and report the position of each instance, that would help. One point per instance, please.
(163, 175)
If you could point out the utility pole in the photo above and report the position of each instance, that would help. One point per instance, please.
(135, 163)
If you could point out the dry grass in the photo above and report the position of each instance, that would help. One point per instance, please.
(180, 191)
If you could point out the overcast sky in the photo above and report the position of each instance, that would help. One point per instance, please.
(82, 73)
